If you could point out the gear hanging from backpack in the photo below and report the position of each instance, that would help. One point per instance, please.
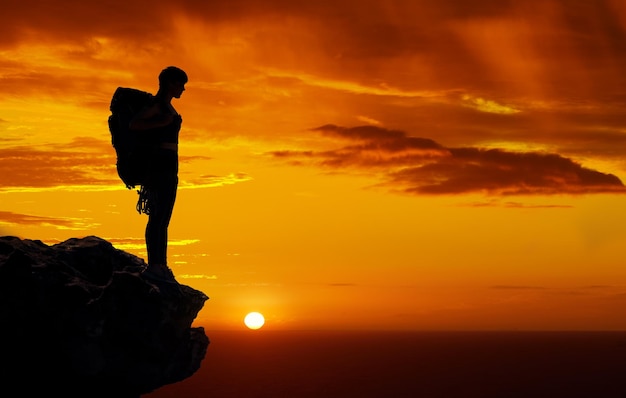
(143, 203)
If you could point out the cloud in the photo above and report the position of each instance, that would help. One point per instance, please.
(518, 205)
(82, 162)
(357, 88)
(72, 20)
(130, 243)
(517, 287)
(197, 276)
(127, 243)
(65, 223)
(488, 106)
(210, 181)
(421, 166)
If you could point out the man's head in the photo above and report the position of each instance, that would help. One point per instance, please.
(172, 80)
(172, 74)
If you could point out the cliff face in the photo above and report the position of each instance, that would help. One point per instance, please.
(80, 319)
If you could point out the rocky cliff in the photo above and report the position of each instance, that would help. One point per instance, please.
(80, 319)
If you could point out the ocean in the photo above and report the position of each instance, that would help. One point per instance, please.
(331, 364)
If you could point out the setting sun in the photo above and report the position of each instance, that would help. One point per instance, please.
(254, 320)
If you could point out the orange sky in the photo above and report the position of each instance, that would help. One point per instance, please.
(384, 164)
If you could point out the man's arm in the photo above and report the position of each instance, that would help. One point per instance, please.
(151, 117)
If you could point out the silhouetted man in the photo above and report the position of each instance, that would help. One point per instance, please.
(158, 193)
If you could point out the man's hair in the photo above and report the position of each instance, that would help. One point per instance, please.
(172, 74)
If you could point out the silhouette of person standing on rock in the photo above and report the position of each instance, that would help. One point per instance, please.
(158, 193)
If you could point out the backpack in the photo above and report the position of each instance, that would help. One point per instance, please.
(132, 148)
